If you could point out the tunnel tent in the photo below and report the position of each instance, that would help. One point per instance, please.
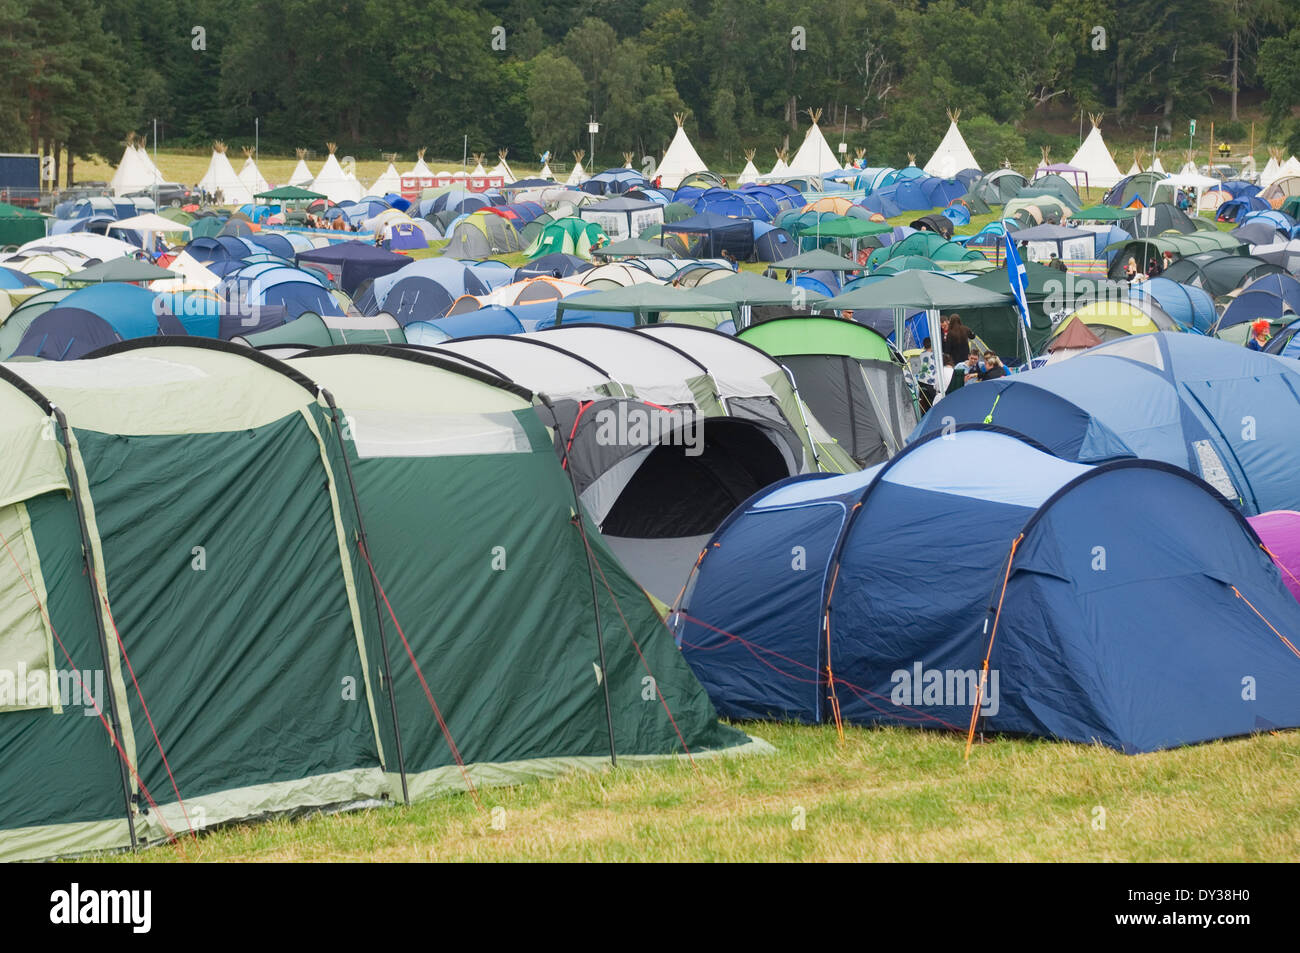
(278, 736)
(1176, 398)
(518, 705)
(177, 427)
(1129, 573)
(848, 376)
(752, 384)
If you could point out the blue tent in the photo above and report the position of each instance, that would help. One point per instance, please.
(871, 597)
(354, 262)
(1269, 296)
(1191, 307)
(772, 243)
(556, 265)
(718, 232)
(1221, 411)
(1235, 210)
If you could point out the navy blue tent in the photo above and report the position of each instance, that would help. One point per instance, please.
(1218, 410)
(556, 265)
(1269, 297)
(877, 597)
(735, 235)
(354, 262)
(65, 334)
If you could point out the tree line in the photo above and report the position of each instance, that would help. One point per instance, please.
(76, 76)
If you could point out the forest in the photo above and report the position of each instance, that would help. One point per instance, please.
(78, 76)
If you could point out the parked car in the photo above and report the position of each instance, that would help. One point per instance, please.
(169, 193)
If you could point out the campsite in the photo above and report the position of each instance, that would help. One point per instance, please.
(650, 455)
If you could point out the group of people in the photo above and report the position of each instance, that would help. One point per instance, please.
(1155, 267)
(963, 362)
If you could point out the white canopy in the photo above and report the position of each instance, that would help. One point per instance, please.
(150, 222)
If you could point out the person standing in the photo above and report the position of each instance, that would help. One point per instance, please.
(1258, 334)
(925, 374)
(957, 340)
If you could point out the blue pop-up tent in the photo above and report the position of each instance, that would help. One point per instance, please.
(877, 597)
(1220, 411)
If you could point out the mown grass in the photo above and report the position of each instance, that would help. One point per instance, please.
(879, 795)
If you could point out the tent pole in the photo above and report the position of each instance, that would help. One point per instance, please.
(374, 588)
(595, 596)
(936, 341)
(88, 558)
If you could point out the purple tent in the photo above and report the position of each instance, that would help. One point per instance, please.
(1279, 531)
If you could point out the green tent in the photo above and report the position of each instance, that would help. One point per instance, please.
(289, 193)
(119, 269)
(1048, 292)
(1103, 213)
(569, 235)
(847, 375)
(207, 536)
(748, 289)
(19, 225)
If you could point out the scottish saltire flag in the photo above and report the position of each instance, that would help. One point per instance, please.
(1016, 275)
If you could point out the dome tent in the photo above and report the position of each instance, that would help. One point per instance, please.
(1176, 398)
(1133, 601)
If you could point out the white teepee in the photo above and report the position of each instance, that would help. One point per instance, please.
(478, 171)
(502, 168)
(390, 181)
(251, 175)
(1272, 169)
(301, 175)
(1158, 166)
(749, 173)
(221, 182)
(420, 168)
(1095, 159)
(680, 159)
(1291, 166)
(814, 156)
(333, 183)
(781, 169)
(135, 172)
(953, 155)
(578, 175)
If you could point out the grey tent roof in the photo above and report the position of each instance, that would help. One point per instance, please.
(121, 269)
(747, 288)
(917, 289)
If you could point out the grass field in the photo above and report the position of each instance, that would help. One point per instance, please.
(880, 795)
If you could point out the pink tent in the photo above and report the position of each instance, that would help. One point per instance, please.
(1279, 530)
